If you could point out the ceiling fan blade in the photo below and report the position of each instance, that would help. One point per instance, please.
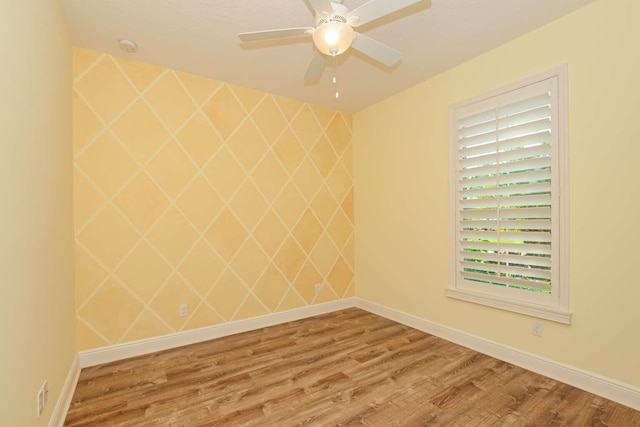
(316, 66)
(322, 8)
(285, 33)
(376, 50)
(375, 9)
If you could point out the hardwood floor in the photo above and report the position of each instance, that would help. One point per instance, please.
(346, 368)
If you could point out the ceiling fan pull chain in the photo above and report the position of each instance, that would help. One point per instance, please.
(335, 79)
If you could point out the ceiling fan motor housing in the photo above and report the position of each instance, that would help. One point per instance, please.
(340, 13)
(333, 35)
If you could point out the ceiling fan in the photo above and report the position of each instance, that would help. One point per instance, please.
(334, 32)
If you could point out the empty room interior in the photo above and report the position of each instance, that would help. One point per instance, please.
(210, 215)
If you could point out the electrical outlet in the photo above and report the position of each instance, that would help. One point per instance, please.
(317, 288)
(42, 398)
(39, 403)
(45, 394)
(183, 310)
(536, 329)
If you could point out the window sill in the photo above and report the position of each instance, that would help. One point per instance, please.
(542, 312)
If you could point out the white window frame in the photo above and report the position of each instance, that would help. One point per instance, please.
(553, 306)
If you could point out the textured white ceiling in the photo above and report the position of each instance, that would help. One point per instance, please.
(200, 37)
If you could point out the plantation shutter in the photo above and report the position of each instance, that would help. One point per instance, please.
(505, 204)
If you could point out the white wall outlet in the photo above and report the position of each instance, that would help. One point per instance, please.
(317, 288)
(39, 403)
(536, 329)
(42, 398)
(183, 310)
(45, 394)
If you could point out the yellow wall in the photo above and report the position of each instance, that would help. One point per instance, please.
(36, 209)
(402, 193)
(191, 191)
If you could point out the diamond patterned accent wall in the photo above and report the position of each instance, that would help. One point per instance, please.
(191, 191)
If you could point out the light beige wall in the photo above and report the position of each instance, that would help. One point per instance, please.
(36, 208)
(402, 193)
(192, 191)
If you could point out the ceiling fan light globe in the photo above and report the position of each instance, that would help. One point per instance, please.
(333, 37)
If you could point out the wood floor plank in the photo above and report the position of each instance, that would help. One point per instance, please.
(345, 368)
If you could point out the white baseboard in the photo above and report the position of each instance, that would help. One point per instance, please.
(138, 348)
(625, 394)
(66, 394)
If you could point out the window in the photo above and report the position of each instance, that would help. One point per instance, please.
(509, 198)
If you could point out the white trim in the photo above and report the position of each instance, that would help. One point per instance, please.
(564, 186)
(542, 312)
(137, 348)
(625, 394)
(66, 394)
(510, 87)
(617, 391)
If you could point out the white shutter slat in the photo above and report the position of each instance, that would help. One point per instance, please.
(481, 139)
(519, 117)
(543, 112)
(525, 201)
(507, 202)
(507, 190)
(478, 129)
(522, 154)
(534, 260)
(534, 273)
(522, 213)
(492, 146)
(522, 178)
(506, 156)
(513, 248)
(507, 236)
(475, 119)
(542, 137)
(508, 224)
(505, 110)
(526, 272)
(526, 165)
(524, 129)
(509, 158)
(513, 167)
(505, 281)
(524, 105)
